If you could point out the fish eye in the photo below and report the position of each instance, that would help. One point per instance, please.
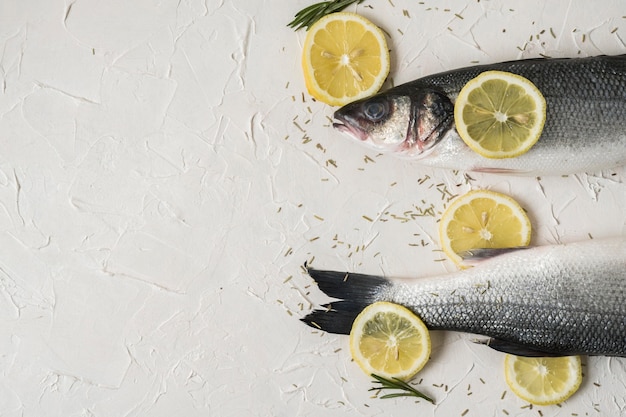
(375, 110)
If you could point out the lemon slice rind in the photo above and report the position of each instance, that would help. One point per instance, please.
(345, 58)
(389, 340)
(543, 381)
(464, 226)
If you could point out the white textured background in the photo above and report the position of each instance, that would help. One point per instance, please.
(163, 177)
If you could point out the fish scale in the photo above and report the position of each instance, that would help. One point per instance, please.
(542, 301)
(584, 129)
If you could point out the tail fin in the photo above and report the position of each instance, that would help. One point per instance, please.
(355, 292)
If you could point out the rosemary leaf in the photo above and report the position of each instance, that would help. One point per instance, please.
(400, 385)
(311, 14)
(396, 395)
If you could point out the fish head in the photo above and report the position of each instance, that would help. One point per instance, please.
(397, 121)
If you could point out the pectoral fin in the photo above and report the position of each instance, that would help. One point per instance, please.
(474, 256)
(517, 349)
(505, 171)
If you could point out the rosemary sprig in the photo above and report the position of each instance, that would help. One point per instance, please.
(397, 384)
(309, 15)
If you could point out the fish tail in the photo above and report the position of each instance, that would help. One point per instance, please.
(353, 291)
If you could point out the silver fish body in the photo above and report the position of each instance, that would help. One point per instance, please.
(585, 129)
(542, 301)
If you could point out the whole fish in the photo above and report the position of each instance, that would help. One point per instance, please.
(585, 128)
(543, 301)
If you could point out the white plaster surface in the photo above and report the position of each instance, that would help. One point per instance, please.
(164, 175)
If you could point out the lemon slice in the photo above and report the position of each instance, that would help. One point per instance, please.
(482, 219)
(389, 340)
(345, 58)
(543, 381)
(499, 114)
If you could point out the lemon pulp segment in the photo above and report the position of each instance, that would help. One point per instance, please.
(500, 114)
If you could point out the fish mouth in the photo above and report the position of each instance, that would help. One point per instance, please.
(343, 125)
